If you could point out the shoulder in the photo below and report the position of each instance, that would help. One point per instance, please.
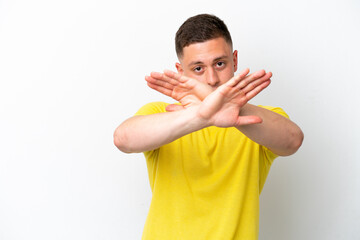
(151, 108)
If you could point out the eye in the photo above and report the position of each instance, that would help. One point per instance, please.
(197, 69)
(220, 64)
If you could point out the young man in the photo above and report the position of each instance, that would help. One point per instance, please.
(208, 156)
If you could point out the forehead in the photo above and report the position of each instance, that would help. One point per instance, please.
(207, 51)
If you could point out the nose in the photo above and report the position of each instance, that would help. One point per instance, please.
(212, 78)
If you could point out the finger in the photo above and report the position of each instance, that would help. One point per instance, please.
(188, 84)
(174, 107)
(236, 79)
(160, 89)
(160, 83)
(247, 120)
(162, 77)
(244, 84)
(257, 82)
(252, 77)
(176, 76)
(257, 90)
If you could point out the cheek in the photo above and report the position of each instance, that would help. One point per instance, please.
(200, 78)
(226, 75)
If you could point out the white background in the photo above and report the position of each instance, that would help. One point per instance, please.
(72, 70)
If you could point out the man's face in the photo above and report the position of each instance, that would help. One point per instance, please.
(211, 62)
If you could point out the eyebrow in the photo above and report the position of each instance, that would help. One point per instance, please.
(199, 62)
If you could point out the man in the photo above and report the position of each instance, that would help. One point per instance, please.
(208, 156)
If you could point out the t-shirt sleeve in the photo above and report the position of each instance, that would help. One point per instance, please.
(276, 110)
(152, 108)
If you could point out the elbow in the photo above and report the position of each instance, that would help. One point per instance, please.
(298, 140)
(295, 143)
(120, 141)
(292, 143)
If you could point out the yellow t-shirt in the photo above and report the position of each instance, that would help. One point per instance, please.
(206, 185)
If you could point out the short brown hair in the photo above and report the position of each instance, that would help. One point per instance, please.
(200, 28)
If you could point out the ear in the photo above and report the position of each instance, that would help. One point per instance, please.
(235, 60)
(179, 68)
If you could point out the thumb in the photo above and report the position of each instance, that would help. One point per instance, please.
(174, 107)
(247, 120)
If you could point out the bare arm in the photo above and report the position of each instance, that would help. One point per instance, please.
(282, 136)
(148, 132)
(276, 132)
(220, 108)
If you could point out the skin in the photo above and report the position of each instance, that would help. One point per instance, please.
(211, 62)
(210, 95)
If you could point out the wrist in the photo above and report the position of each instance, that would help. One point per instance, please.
(196, 120)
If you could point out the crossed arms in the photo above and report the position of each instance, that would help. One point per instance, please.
(203, 106)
